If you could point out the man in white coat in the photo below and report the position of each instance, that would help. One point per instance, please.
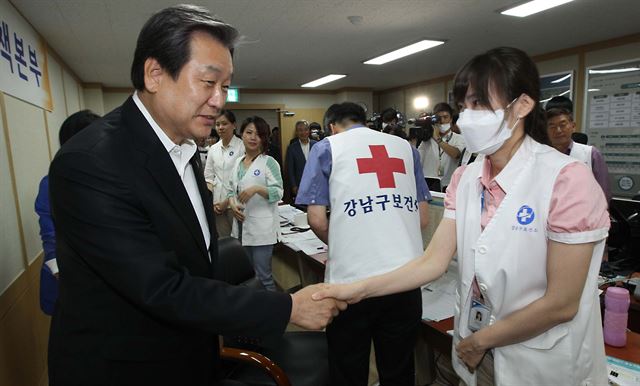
(374, 185)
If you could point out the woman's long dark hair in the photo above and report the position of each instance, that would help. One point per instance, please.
(510, 72)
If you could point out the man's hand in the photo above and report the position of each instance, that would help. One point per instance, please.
(436, 133)
(313, 314)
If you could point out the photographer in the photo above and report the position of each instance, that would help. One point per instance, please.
(444, 149)
(389, 118)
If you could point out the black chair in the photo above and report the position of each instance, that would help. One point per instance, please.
(580, 137)
(301, 355)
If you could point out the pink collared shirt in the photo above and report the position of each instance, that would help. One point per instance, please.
(573, 208)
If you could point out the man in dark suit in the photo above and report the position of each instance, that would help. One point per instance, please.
(297, 154)
(137, 244)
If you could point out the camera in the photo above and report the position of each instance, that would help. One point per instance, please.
(422, 127)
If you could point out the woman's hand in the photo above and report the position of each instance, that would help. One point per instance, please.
(221, 206)
(238, 211)
(246, 194)
(470, 352)
(351, 293)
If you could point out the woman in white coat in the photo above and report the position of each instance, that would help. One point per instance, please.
(530, 225)
(218, 170)
(254, 192)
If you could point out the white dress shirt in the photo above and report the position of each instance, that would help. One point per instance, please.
(180, 155)
(305, 149)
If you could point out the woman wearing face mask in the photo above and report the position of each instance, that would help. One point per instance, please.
(254, 192)
(221, 159)
(530, 225)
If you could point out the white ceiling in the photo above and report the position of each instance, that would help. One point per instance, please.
(290, 42)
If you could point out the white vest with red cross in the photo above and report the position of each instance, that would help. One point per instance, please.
(374, 225)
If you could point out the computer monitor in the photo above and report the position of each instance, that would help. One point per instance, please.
(624, 235)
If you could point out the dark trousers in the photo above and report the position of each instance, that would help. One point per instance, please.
(392, 323)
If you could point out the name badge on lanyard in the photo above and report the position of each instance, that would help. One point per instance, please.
(480, 311)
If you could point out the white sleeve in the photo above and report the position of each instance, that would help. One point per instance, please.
(458, 142)
(209, 173)
(230, 187)
(53, 266)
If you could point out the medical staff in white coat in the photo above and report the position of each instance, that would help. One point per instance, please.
(254, 192)
(221, 160)
(530, 225)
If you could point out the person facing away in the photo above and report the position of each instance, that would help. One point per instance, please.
(253, 192)
(50, 272)
(561, 126)
(297, 154)
(378, 197)
(136, 240)
(219, 168)
(530, 225)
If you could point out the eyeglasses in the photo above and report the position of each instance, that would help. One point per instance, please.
(562, 126)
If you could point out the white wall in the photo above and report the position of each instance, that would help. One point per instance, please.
(27, 144)
(93, 100)
(11, 262)
(113, 99)
(290, 101)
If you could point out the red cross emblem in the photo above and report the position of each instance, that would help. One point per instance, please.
(382, 165)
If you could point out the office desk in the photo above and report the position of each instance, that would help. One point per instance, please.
(441, 341)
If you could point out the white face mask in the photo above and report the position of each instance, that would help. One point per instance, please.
(485, 131)
(444, 127)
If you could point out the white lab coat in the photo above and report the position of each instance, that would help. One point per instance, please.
(359, 247)
(509, 258)
(582, 152)
(261, 225)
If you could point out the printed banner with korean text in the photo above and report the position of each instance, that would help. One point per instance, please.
(23, 59)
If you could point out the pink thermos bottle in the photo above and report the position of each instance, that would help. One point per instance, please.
(616, 311)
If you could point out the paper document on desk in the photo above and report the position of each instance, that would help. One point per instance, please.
(438, 297)
(311, 247)
(622, 373)
(288, 212)
(287, 236)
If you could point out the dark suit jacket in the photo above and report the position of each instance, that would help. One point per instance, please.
(295, 161)
(137, 301)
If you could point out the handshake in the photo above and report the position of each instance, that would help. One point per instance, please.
(314, 306)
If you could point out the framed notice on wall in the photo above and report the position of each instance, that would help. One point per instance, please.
(557, 84)
(612, 121)
(23, 59)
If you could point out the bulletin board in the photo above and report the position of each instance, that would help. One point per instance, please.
(612, 121)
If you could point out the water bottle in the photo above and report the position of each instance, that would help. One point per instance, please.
(616, 309)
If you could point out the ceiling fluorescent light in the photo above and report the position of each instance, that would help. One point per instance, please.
(564, 93)
(323, 80)
(561, 79)
(405, 51)
(614, 70)
(531, 7)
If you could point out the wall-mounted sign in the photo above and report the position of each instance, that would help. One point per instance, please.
(23, 59)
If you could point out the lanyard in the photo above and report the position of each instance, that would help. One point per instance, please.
(446, 140)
